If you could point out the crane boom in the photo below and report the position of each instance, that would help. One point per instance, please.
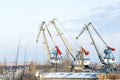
(63, 39)
(81, 32)
(46, 44)
(41, 28)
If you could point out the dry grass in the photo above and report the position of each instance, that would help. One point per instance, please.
(110, 76)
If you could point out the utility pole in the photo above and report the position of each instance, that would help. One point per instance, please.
(119, 57)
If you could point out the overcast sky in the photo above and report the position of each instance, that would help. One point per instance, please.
(20, 19)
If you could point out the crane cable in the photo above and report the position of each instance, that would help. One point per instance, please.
(67, 33)
(99, 35)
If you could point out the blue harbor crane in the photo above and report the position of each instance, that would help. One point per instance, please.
(106, 60)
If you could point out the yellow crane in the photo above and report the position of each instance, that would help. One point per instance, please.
(52, 59)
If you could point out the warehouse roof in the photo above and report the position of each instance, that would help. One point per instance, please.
(68, 75)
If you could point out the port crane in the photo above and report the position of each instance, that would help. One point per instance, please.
(53, 55)
(109, 58)
(79, 62)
